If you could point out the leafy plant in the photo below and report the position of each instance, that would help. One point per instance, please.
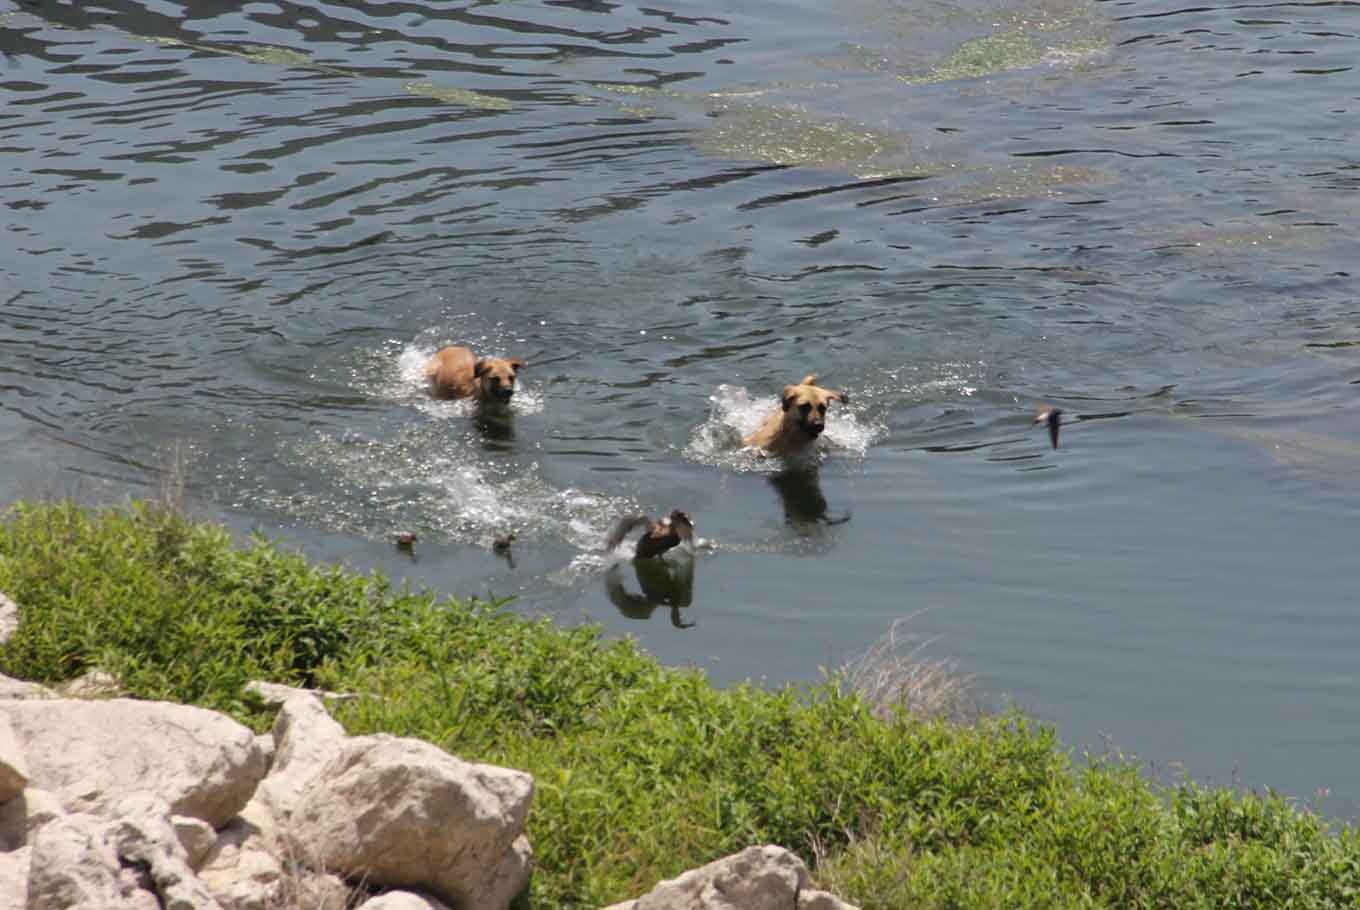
(644, 771)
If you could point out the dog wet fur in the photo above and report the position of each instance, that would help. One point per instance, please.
(455, 372)
(800, 420)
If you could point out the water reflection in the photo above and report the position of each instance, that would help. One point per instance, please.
(667, 582)
(805, 507)
(495, 424)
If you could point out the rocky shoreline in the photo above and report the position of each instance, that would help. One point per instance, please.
(111, 803)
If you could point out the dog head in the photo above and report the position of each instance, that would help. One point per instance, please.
(805, 405)
(496, 377)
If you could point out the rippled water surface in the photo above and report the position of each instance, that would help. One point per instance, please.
(233, 235)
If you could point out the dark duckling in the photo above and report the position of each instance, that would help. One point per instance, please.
(501, 545)
(405, 540)
(1052, 417)
(660, 536)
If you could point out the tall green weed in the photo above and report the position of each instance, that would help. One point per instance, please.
(643, 771)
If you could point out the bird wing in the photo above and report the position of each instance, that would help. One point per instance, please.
(622, 527)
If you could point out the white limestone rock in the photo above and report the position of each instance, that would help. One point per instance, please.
(143, 836)
(9, 618)
(821, 900)
(21, 817)
(279, 694)
(196, 836)
(265, 742)
(74, 866)
(757, 878)
(402, 900)
(11, 688)
(315, 890)
(93, 753)
(94, 684)
(241, 870)
(14, 879)
(401, 813)
(13, 767)
(305, 738)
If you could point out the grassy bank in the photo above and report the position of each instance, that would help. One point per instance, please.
(644, 771)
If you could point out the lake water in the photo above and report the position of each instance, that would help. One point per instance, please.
(235, 234)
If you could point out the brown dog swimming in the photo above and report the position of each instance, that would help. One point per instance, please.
(801, 418)
(455, 372)
(660, 536)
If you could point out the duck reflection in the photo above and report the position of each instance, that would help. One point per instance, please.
(661, 582)
(800, 493)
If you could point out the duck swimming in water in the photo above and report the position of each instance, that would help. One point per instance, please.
(660, 536)
(1052, 417)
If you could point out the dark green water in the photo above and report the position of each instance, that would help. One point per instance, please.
(235, 232)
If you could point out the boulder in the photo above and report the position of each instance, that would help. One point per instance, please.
(13, 768)
(757, 878)
(401, 813)
(315, 890)
(93, 753)
(265, 743)
(21, 817)
(305, 738)
(279, 694)
(9, 618)
(144, 837)
(241, 870)
(247, 869)
(96, 683)
(14, 879)
(402, 900)
(11, 688)
(74, 866)
(821, 900)
(196, 836)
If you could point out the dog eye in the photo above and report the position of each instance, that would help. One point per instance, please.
(805, 407)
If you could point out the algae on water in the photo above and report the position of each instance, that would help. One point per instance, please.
(463, 96)
(1003, 52)
(786, 135)
(259, 53)
(984, 56)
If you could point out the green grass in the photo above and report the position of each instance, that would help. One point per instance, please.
(644, 771)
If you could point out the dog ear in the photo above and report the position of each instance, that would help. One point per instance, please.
(809, 379)
(479, 369)
(790, 393)
(516, 364)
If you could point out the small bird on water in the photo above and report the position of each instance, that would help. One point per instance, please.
(1052, 417)
(405, 540)
(660, 536)
(501, 545)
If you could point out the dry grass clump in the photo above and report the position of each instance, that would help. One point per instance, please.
(895, 675)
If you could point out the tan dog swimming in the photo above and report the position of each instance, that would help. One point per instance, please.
(801, 418)
(455, 372)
